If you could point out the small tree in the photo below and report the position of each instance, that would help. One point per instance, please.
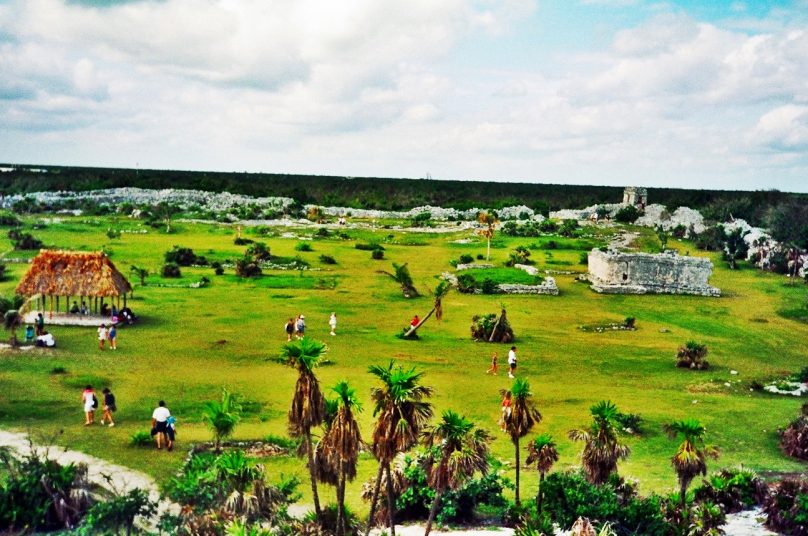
(140, 273)
(166, 211)
(602, 448)
(402, 276)
(441, 291)
(543, 453)
(222, 416)
(11, 321)
(489, 221)
(692, 355)
(523, 417)
(690, 459)
(663, 236)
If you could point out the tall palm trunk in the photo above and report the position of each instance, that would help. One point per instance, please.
(375, 498)
(433, 511)
(683, 500)
(313, 474)
(488, 251)
(540, 496)
(340, 529)
(517, 471)
(391, 502)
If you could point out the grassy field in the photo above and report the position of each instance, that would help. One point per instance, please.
(191, 342)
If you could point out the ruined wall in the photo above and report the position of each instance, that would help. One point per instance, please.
(644, 273)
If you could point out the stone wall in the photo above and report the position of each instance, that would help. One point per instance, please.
(644, 273)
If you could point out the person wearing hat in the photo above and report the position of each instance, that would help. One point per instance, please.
(301, 327)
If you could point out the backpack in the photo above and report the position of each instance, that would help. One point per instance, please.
(95, 402)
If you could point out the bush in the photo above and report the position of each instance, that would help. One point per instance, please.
(23, 241)
(118, 513)
(480, 257)
(241, 241)
(141, 438)
(377, 254)
(369, 247)
(327, 259)
(794, 439)
(712, 239)
(7, 219)
(303, 246)
(466, 284)
(184, 257)
(733, 489)
(520, 255)
(259, 252)
(247, 267)
(691, 355)
(113, 234)
(465, 259)
(628, 214)
(630, 423)
(489, 286)
(568, 228)
(170, 269)
(786, 507)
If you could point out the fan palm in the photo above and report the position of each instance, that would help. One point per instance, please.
(308, 402)
(441, 291)
(543, 453)
(458, 450)
(524, 415)
(141, 273)
(341, 444)
(690, 459)
(602, 449)
(489, 220)
(401, 275)
(402, 412)
(222, 416)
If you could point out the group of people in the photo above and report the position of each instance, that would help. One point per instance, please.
(108, 334)
(38, 335)
(163, 424)
(297, 326)
(511, 363)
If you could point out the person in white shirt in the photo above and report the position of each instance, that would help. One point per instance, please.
(512, 361)
(333, 323)
(160, 417)
(102, 335)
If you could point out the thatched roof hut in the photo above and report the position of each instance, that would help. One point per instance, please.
(73, 273)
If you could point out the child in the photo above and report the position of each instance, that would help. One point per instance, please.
(171, 431)
(90, 403)
(113, 337)
(493, 368)
(333, 323)
(301, 327)
(290, 329)
(102, 335)
(506, 411)
(29, 333)
(109, 407)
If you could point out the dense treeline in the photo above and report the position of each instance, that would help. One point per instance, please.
(385, 193)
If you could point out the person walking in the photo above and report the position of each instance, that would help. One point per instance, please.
(290, 329)
(160, 417)
(102, 335)
(512, 362)
(90, 403)
(301, 327)
(113, 337)
(332, 322)
(109, 407)
(493, 368)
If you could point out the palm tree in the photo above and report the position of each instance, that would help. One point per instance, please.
(11, 321)
(141, 273)
(222, 416)
(462, 449)
(441, 291)
(542, 452)
(490, 220)
(402, 412)
(401, 275)
(341, 444)
(308, 402)
(524, 415)
(602, 449)
(690, 458)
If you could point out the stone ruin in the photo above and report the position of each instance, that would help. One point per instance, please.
(635, 195)
(614, 272)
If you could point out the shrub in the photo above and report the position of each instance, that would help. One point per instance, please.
(548, 226)
(303, 246)
(628, 214)
(24, 241)
(489, 286)
(184, 257)
(568, 228)
(630, 423)
(786, 507)
(369, 247)
(712, 239)
(465, 259)
(247, 267)
(141, 438)
(170, 269)
(630, 322)
(322, 232)
(353, 525)
(327, 259)
(691, 355)
(733, 489)
(7, 219)
(480, 257)
(58, 370)
(113, 234)
(118, 513)
(794, 439)
(377, 254)
(241, 241)
(466, 283)
(521, 255)
(259, 252)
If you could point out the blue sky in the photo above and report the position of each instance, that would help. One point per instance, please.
(678, 93)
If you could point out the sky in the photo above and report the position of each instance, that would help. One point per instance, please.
(676, 93)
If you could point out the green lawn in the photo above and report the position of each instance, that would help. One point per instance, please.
(191, 342)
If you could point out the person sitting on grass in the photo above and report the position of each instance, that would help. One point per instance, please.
(75, 309)
(45, 340)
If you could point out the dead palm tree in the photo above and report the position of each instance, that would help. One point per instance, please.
(524, 415)
(441, 291)
(490, 221)
(690, 459)
(12, 320)
(543, 453)
(341, 444)
(462, 449)
(401, 275)
(602, 449)
(308, 402)
(401, 412)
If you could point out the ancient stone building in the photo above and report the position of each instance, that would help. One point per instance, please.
(615, 272)
(634, 195)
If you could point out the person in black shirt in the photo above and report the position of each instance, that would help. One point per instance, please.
(109, 407)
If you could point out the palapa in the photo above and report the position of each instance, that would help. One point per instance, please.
(73, 273)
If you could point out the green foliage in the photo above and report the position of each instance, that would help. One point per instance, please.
(222, 416)
(327, 259)
(247, 267)
(628, 214)
(377, 254)
(303, 246)
(692, 355)
(733, 489)
(170, 269)
(466, 283)
(259, 252)
(118, 513)
(184, 257)
(465, 259)
(24, 241)
(141, 438)
(489, 286)
(369, 247)
(521, 255)
(569, 228)
(14, 302)
(788, 223)
(8, 219)
(113, 234)
(786, 507)
(284, 442)
(712, 239)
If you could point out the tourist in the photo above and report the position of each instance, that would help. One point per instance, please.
(127, 314)
(506, 411)
(45, 340)
(512, 361)
(74, 310)
(493, 368)
(102, 335)
(109, 407)
(301, 327)
(160, 417)
(290, 329)
(114, 311)
(104, 309)
(40, 323)
(415, 321)
(333, 323)
(29, 333)
(84, 309)
(113, 337)
(171, 431)
(90, 403)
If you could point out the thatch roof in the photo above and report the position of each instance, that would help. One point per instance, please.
(73, 273)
